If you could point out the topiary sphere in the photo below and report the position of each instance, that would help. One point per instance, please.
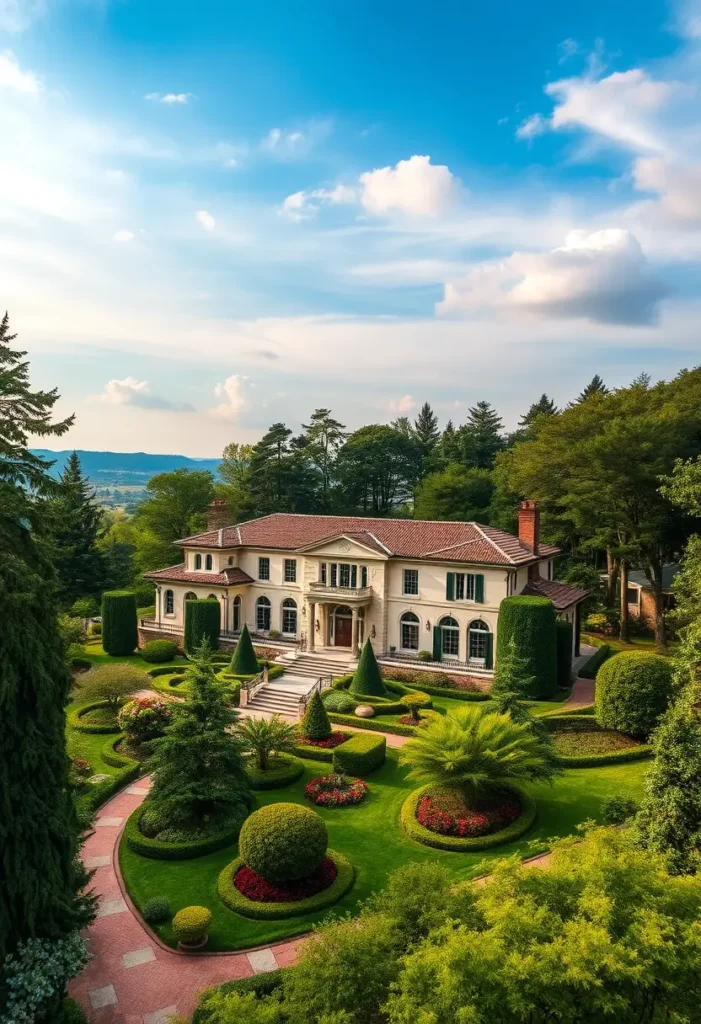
(632, 691)
(159, 651)
(338, 702)
(283, 842)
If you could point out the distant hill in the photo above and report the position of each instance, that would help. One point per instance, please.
(114, 468)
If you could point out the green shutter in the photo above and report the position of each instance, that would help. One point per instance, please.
(489, 659)
(437, 642)
(479, 588)
(450, 586)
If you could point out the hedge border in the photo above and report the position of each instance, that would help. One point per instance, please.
(592, 665)
(460, 844)
(289, 773)
(167, 670)
(236, 901)
(259, 984)
(343, 682)
(87, 803)
(75, 716)
(157, 850)
(587, 710)
(364, 754)
(371, 725)
(310, 753)
(627, 754)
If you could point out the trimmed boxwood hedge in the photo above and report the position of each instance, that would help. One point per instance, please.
(373, 725)
(157, 850)
(167, 670)
(583, 723)
(633, 690)
(275, 778)
(75, 719)
(342, 683)
(459, 844)
(157, 651)
(119, 632)
(564, 636)
(592, 666)
(260, 984)
(360, 755)
(531, 623)
(88, 802)
(236, 901)
(385, 707)
(202, 620)
(309, 753)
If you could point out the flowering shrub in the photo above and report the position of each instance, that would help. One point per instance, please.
(260, 890)
(80, 770)
(334, 739)
(467, 824)
(144, 718)
(35, 976)
(336, 791)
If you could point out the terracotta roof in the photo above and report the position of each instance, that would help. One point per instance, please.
(405, 538)
(230, 577)
(562, 595)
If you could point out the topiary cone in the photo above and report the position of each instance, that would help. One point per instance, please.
(244, 661)
(367, 681)
(119, 630)
(315, 725)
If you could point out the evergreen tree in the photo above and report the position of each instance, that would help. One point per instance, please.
(448, 448)
(244, 661)
(481, 436)
(281, 476)
(76, 521)
(403, 426)
(324, 437)
(595, 386)
(199, 778)
(543, 407)
(367, 681)
(315, 724)
(235, 471)
(38, 830)
(426, 430)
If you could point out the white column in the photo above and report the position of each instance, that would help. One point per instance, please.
(312, 625)
(354, 631)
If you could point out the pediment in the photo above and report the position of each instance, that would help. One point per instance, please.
(344, 548)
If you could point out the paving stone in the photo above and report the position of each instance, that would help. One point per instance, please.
(97, 862)
(96, 779)
(137, 957)
(138, 790)
(262, 960)
(110, 907)
(100, 997)
(160, 1016)
(108, 822)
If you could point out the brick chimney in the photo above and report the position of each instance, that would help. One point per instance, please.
(217, 515)
(529, 525)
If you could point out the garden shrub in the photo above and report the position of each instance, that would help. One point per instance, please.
(590, 668)
(283, 841)
(155, 848)
(35, 975)
(531, 623)
(425, 655)
(565, 637)
(119, 632)
(315, 724)
(167, 670)
(339, 702)
(156, 910)
(263, 911)
(464, 844)
(202, 622)
(283, 769)
(633, 690)
(144, 718)
(615, 810)
(71, 1013)
(213, 1000)
(367, 679)
(155, 652)
(77, 720)
(191, 923)
(112, 683)
(244, 661)
(360, 755)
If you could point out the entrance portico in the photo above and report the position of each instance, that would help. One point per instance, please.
(337, 621)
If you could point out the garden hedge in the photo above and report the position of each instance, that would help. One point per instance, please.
(583, 723)
(260, 984)
(633, 690)
(360, 755)
(338, 702)
(565, 638)
(372, 725)
(202, 620)
(385, 706)
(244, 660)
(240, 904)
(167, 670)
(394, 685)
(157, 651)
(119, 632)
(590, 668)
(88, 802)
(157, 850)
(309, 753)
(283, 841)
(287, 770)
(75, 719)
(531, 623)
(458, 844)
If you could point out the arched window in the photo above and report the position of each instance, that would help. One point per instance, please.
(409, 628)
(198, 562)
(189, 597)
(236, 623)
(479, 643)
(230, 560)
(289, 617)
(263, 614)
(170, 603)
(212, 597)
(450, 637)
(208, 562)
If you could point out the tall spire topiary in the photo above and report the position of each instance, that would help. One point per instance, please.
(315, 725)
(244, 661)
(119, 631)
(202, 622)
(367, 681)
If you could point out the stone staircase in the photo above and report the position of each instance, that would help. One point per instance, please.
(313, 665)
(277, 701)
(284, 695)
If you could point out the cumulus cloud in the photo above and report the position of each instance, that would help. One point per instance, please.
(13, 77)
(678, 188)
(18, 15)
(131, 391)
(171, 98)
(402, 405)
(205, 220)
(234, 395)
(123, 236)
(414, 186)
(602, 277)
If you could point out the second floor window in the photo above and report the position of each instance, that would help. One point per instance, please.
(411, 581)
(322, 573)
(290, 570)
(198, 562)
(464, 586)
(263, 568)
(208, 562)
(343, 574)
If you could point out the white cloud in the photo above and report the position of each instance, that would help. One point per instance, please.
(602, 277)
(18, 15)
(566, 49)
(402, 405)
(278, 141)
(123, 236)
(414, 186)
(131, 391)
(303, 205)
(171, 98)
(534, 125)
(13, 77)
(234, 396)
(205, 220)
(678, 188)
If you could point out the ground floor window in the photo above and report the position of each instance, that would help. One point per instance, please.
(450, 637)
(263, 614)
(170, 603)
(289, 616)
(236, 623)
(410, 631)
(478, 641)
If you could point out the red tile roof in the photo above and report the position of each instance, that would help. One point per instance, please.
(229, 577)
(562, 595)
(405, 538)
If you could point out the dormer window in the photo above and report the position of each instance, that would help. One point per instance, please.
(208, 563)
(198, 562)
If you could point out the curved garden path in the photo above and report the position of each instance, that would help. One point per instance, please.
(133, 978)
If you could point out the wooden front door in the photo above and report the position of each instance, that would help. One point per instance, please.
(344, 632)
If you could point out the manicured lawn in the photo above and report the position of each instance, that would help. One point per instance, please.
(96, 654)
(646, 644)
(88, 745)
(445, 704)
(370, 835)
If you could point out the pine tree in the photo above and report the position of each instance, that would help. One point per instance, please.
(512, 675)
(38, 829)
(595, 386)
(448, 448)
(198, 771)
(315, 724)
(543, 407)
(76, 521)
(367, 681)
(481, 437)
(426, 430)
(324, 436)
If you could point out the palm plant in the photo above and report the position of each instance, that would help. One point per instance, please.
(473, 750)
(265, 736)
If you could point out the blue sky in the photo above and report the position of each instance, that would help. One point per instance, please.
(218, 216)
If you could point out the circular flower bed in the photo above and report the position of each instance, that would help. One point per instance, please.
(334, 739)
(510, 815)
(145, 718)
(466, 823)
(336, 791)
(254, 887)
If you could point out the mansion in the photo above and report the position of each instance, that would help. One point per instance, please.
(330, 582)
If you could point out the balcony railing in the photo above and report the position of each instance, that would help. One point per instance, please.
(258, 636)
(347, 592)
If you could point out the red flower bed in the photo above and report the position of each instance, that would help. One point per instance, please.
(334, 739)
(260, 890)
(469, 824)
(335, 791)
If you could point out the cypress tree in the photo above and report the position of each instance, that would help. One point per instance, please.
(38, 831)
(513, 673)
(367, 681)
(244, 661)
(119, 630)
(76, 523)
(315, 724)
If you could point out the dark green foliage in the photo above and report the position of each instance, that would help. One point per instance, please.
(564, 651)
(272, 911)
(72, 1013)
(156, 910)
(158, 651)
(258, 984)
(615, 810)
(367, 680)
(283, 841)
(315, 724)
(119, 633)
(377, 469)
(591, 667)
(360, 755)
(243, 660)
(595, 386)
(75, 522)
(531, 623)
(480, 438)
(172, 843)
(455, 492)
(633, 691)
(513, 675)
(202, 621)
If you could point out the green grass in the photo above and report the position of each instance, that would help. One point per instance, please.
(96, 654)
(636, 643)
(575, 743)
(370, 835)
(88, 745)
(444, 704)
